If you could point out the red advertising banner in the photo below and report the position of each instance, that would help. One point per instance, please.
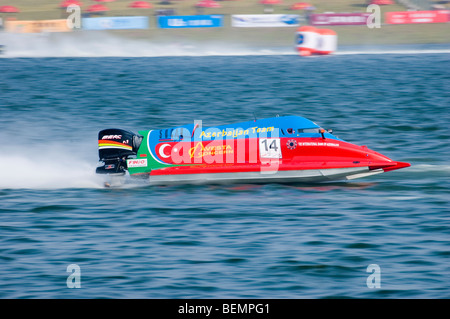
(339, 18)
(437, 16)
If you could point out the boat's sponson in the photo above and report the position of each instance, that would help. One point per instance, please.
(279, 149)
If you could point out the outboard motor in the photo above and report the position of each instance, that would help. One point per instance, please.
(114, 147)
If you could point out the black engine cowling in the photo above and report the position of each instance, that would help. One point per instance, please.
(114, 147)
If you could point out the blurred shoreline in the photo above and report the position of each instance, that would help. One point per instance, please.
(261, 37)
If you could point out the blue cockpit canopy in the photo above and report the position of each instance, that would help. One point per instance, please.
(282, 126)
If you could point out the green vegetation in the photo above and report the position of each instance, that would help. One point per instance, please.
(352, 35)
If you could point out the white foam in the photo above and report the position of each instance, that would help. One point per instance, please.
(408, 198)
(102, 44)
(46, 167)
(399, 51)
(86, 44)
(429, 168)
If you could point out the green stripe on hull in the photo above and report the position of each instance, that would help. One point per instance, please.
(145, 153)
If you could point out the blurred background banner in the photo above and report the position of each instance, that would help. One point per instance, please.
(115, 23)
(438, 16)
(15, 26)
(358, 18)
(265, 20)
(195, 21)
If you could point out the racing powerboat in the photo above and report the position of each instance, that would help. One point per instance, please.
(282, 149)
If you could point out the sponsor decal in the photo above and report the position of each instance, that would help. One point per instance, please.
(318, 144)
(291, 144)
(404, 17)
(198, 21)
(339, 18)
(111, 137)
(22, 26)
(199, 150)
(115, 23)
(264, 20)
(235, 132)
(141, 162)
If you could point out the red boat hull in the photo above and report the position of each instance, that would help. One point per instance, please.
(311, 159)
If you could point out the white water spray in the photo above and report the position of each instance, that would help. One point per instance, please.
(98, 44)
(46, 167)
(103, 44)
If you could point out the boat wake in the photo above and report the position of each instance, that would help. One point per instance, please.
(430, 168)
(24, 173)
(45, 167)
(20, 171)
(393, 51)
(54, 166)
(87, 44)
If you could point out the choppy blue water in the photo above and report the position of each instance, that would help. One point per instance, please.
(234, 241)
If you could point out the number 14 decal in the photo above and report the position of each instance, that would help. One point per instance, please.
(269, 148)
